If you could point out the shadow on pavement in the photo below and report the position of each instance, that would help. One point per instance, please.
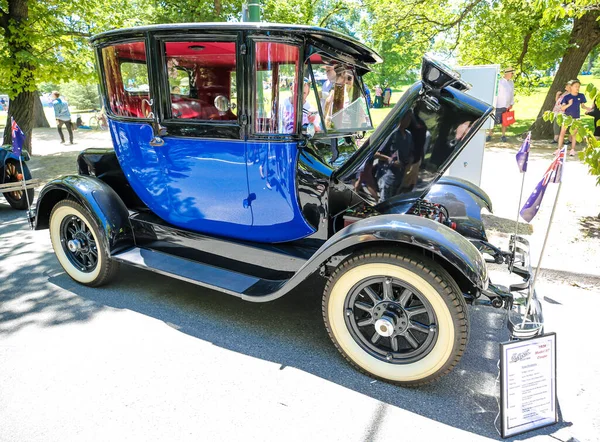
(288, 331)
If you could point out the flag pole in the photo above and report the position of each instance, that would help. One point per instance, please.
(539, 264)
(517, 221)
(523, 171)
(24, 184)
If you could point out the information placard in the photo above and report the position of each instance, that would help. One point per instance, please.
(528, 384)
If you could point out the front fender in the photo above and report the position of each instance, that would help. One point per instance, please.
(103, 203)
(412, 230)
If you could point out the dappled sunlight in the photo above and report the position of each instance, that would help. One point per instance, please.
(34, 303)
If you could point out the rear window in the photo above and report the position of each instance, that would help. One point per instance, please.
(126, 80)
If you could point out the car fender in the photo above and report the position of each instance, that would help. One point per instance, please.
(464, 207)
(415, 232)
(105, 206)
(475, 190)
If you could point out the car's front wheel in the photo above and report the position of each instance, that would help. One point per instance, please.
(79, 244)
(400, 318)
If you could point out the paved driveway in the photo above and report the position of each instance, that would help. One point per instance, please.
(151, 358)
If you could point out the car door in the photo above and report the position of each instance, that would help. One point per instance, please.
(129, 106)
(203, 153)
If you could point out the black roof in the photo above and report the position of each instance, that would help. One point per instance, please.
(333, 39)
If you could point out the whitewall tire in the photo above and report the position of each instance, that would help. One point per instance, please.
(79, 244)
(396, 317)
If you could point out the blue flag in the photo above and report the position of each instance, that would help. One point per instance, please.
(523, 153)
(552, 175)
(18, 138)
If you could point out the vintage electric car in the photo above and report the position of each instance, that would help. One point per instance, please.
(239, 164)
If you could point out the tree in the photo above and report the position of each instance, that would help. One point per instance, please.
(403, 30)
(513, 33)
(42, 41)
(585, 36)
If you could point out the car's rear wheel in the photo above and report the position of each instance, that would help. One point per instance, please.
(13, 174)
(79, 244)
(400, 318)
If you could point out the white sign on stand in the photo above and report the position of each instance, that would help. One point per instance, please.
(528, 384)
(469, 164)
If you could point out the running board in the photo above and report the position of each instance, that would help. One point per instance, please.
(216, 278)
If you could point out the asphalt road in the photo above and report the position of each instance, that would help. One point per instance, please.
(151, 358)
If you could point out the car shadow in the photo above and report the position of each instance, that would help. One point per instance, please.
(290, 332)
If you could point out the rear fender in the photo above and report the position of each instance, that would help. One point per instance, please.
(455, 251)
(464, 206)
(102, 202)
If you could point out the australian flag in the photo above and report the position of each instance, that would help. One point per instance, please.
(523, 153)
(18, 138)
(552, 175)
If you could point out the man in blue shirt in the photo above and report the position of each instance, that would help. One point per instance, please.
(63, 116)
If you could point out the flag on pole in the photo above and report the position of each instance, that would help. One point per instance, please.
(552, 175)
(18, 138)
(523, 153)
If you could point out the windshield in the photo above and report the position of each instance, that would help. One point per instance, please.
(339, 95)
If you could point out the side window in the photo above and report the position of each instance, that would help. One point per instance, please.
(276, 98)
(126, 76)
(201, 79)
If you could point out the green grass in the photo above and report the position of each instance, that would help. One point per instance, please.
(526, 107)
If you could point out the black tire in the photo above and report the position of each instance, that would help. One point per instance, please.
(12, 173)
(415, 304)
(88, 263)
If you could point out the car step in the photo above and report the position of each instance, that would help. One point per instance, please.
(205, 275)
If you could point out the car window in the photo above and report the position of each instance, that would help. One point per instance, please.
(201, 76)
(340, 94)
(276, 97)
(126, 79)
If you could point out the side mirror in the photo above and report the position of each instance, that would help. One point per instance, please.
(222, 103)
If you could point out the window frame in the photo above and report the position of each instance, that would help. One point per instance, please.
(103, 79)
(321, 50)
(230, 129)
(300, 44)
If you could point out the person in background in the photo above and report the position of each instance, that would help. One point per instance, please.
(367, 95)
(63, 116)
(387, 95)
(504, 101)
(571, 105)
(328, 84)
(378, 97)
(595, 112)
(558, 108)
(309, 115)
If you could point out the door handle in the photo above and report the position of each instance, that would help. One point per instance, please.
(157, 142)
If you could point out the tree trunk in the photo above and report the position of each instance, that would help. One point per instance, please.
(39, 117)
(584, 37)
(21, 95)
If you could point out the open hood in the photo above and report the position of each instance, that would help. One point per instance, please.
(419, 139)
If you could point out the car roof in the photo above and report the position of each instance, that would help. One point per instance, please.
(335, 40)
